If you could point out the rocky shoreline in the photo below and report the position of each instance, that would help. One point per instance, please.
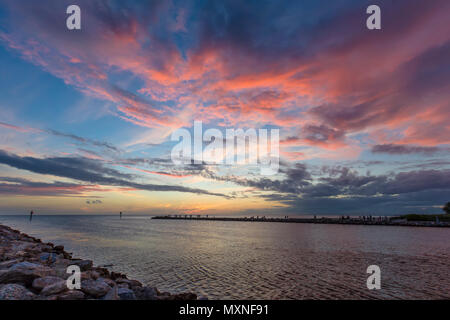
(33, 270)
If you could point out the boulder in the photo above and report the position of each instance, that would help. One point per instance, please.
(126, 294)
(41, 283)
(41, 297)
(60, 267)
(22, 254)
(55, 288)
(130, 283)
(83, 264)
(186, 296)
(179, 296)
(117, 275)
(163, 296)
(8, 263)
(67, 255)
(123, 285)
(21, 246)
(58, 248)
(48, 257)
(45, 247)
(24, 272)
(86, 275)
(109, 282)
(103, 272)
(71, 295)
(14, 291)
(95, 288)
(112, 294)
(146, 293)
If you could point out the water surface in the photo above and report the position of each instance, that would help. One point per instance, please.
(257, 260)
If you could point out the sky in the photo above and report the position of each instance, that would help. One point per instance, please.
(86, 116)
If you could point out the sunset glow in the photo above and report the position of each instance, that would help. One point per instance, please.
(86, 116)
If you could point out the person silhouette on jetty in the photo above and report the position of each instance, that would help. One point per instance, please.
(31, 215)
(120, 214)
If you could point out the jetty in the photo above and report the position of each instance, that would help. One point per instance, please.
(363, 220)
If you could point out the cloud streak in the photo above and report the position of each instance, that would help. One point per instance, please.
(87, 170)
(18, 186)
(404, 149)
(96, 143)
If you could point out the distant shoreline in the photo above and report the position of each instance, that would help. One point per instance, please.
(373, 221)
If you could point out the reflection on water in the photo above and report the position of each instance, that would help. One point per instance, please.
(242, 260)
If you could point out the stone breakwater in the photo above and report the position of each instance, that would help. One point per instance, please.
(33, 270)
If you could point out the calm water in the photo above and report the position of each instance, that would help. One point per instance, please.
(240, 260)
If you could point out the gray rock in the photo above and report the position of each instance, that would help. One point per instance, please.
(59, 248)
(25, 265)
(90, 274)
(130, 283)
(95, 288)
(62, 272)
(123, 285)
(112, 294)
(54, 288)
(108, 281)
(21, 246)
(41, 297)
(126, 294)
(178, 296)
(41, 283)
(45, 247)
(83, 264)
(62, 263)
(25, 272)
(94, 275)
(185, 296)
(146, 293)
(14, 291)
(48, 257)
(60, 267)
(163, 296)
(71, 295)
(7, 264)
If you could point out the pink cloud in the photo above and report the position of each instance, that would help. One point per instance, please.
(360, 82)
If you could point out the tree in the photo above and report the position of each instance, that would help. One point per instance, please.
(446, 208)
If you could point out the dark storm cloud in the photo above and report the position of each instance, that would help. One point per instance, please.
(87, 170)
(403, 149)
(296, 177)
(293, 29)
(165, 166)
(343, 190)
(19, 186)
(438, 163)
(350, 183)
(415, 202)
